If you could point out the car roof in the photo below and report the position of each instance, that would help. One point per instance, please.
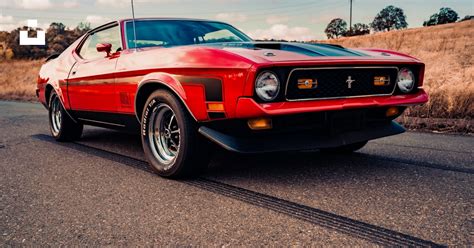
(168, 19)
(151, 19)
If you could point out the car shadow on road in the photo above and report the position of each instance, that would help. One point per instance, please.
(288, 166)
(310, 165)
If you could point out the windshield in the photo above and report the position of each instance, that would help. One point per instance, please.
(166, 33)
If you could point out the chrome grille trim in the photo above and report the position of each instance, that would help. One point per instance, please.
(339, 68)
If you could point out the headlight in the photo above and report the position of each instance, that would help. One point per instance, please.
(267, 86)
(406, 80)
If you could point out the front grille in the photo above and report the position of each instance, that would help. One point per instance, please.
(334, 82)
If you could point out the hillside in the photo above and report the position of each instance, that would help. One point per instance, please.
(447, 50)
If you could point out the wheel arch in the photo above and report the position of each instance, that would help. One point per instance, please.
(47, 93)
(150, 84)
(49, 89)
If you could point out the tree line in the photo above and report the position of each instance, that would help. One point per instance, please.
(387, 19)
(58, 38)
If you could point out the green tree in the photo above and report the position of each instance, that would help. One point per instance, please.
(58, 38)
(336, 28)
(25, 52)
(358, 29)
(389, 18)
(83, 27)
(432, 21)
(445, 15)
(9, 54)
(467, 18)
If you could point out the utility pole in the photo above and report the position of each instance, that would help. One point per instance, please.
(350, 20)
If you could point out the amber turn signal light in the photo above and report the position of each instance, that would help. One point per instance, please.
(381, 81)
(304, 84)
(260, 123)
(392, 111)
(216, 107)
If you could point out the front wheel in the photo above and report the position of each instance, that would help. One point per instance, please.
(63, 127)
(345, 149)
(170, 139)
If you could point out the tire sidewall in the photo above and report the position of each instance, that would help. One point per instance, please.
(151, 105)
(51, 99)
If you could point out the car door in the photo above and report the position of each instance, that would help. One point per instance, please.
(91, 80)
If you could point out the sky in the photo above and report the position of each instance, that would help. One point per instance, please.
(278, 19)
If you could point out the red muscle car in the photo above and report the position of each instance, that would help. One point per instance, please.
(187, 84)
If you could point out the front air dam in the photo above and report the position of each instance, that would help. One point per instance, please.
(298, 141)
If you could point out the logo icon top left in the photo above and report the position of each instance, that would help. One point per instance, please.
(40, 38)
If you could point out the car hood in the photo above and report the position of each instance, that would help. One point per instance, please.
(264, 52)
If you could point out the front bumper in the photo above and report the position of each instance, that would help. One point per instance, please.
(299, 141)
(248, 108)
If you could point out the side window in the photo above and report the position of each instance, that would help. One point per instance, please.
(110, 35)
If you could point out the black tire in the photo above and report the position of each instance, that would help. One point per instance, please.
(64, 128)
(184, 151)
(345, 149)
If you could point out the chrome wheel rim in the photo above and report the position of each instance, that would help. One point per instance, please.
(56, 116)
(164, 134)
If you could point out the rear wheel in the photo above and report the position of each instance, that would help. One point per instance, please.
(62, 127)
(346, 148)
(170, 139)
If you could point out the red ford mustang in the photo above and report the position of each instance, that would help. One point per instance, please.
(186, 84)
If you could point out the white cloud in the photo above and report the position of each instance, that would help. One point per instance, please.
(8, 27)
(43, 4)
(119, 3)
(231, 17)
(70, 4)
(6, 19)
(322, 19)
(34, 4)
(95, 20)
(126, 3)
(8, 23)
(275, 19)
(284, 32)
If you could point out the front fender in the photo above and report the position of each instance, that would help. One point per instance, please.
(378, 50)
(191, 97)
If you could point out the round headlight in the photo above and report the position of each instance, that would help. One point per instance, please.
(406, 80)
(267, 86)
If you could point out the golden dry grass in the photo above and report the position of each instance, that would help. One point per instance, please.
(18, 79)
(447, 50)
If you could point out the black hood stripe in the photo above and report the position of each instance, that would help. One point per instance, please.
(309, 49)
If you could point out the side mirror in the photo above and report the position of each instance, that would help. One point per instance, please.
(104, 47)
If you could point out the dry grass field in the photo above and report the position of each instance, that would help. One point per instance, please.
(447, 50)
(18, 79)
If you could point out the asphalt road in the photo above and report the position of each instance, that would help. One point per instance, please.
(412, 189)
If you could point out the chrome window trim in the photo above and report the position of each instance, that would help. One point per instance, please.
(336, 68)
(106, 26)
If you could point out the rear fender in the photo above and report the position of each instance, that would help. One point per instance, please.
(54, 87)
